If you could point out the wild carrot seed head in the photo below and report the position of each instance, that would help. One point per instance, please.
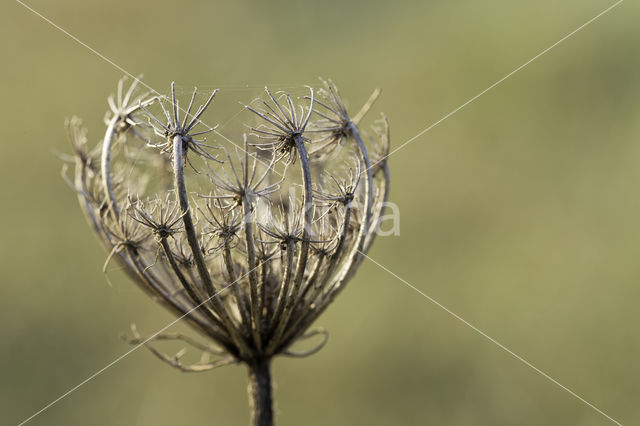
(250, 246)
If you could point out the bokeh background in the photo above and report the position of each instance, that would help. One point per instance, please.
(521, 212)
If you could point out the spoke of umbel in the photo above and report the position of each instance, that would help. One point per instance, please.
(248, 243)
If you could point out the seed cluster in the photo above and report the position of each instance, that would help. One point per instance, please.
(249, 243)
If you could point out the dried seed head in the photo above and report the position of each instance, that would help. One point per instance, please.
(284, 123)
(162, 217)
(175, 130)
(255, 249)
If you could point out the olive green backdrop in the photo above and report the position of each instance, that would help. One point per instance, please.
(521, 212)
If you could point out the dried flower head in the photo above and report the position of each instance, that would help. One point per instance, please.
(251, 252)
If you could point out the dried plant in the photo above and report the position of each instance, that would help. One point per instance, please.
(249, 244)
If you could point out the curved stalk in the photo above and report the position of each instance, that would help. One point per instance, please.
(105, 165)
(311, 309)
(280, 303)
(304, 246)
(256, 303)
(105, 160)
(385, 197)
(192, 239)
(336, 286)
(231, 274)
(144, 278)
(358, 245)
(186, 285)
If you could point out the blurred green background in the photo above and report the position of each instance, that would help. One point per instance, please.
(520, 212)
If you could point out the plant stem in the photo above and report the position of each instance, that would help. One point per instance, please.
(260, 397)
